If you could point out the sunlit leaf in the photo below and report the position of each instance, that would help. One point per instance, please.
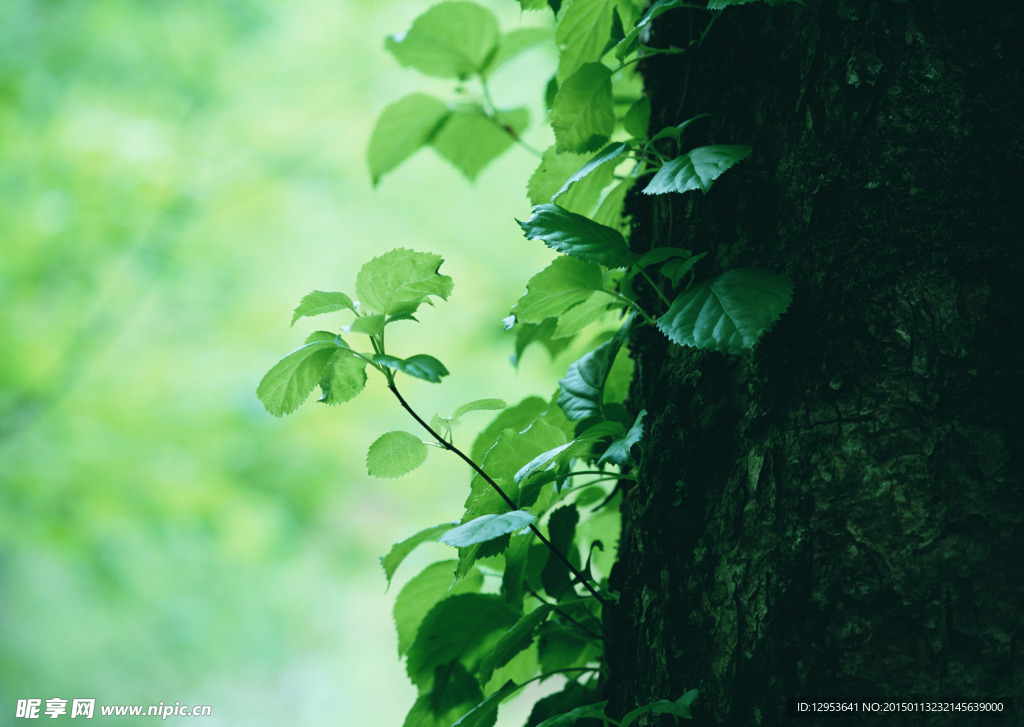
(515, 42)
(479, 405)
(729, 312)
(583, 31)
(403, 128)
(290, 381)
(564, 283)
(394, 454)
(420, 366)
(449, 40)
(319, 302)
(343, 378)
(470, 139)
(583, 112)
(398, 281)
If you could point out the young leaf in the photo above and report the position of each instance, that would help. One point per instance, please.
(398, 281)
(729, 312)
(581, 391)
(578, 236)
(343, 378)
(470, 139)
(371, 325)
(487, 527)
(450, 40)
(395, 454)
(479, 405)
(420, 366)
(291, 379)
(516, 639)
(583, 112)
(485, 714)
(402, 128)
(459, 627)
(564, 283)
(319, 302)
(696, 170)
(422, 592)
(399, 551)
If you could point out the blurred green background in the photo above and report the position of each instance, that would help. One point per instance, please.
(174, 177)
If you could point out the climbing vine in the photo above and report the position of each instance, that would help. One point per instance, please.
(546, 477)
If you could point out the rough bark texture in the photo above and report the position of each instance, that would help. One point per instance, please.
(838, 515)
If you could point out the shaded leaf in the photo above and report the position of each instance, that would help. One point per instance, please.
(446, 696)
(581, 391)
(394, 454)
(462, 627)
(588, 711)
(603, 157)
(728, 313)
(422, 592)
(517, 418)
(697, 169)
(485, 714)
(470, 139)
(513, 641)
(578, 236)
(618, 452)
(638, 119)
(487, 527)
(582, 33)
(556, 577)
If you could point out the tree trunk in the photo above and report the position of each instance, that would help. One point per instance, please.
(838, 515)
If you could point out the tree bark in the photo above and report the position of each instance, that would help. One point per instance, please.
(839, 514)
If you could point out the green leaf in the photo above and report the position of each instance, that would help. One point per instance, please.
(587, 711)
(394, 454)
(581, 391)
(729, 312)
(638, 118)
(398, 281)
(371, 324)
(676, 270)
(573, 695)
(463, 627)
(513, 641)
(603, 157)
(291, 379)
(609, 212)
(319, 302)
(400, 550)
(421, 366)
(555, 577)
(678, 708)
(564, 283)
(487, 527)
(479, 405)
(343, 378)
(515, 42)
(446, 696)
(542, 333)
(403, 128)
(618, 452)
(517, 418)
(485, 714)
(421, 593)
(578, 236)
(450, 40)
(722, 4)
(582, 33)
(583, 112)
(660, 7)
(470, 139)
(696, 170)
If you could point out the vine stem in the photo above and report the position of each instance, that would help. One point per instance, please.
(508, 500)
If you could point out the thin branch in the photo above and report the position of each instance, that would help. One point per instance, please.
(494, 485)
